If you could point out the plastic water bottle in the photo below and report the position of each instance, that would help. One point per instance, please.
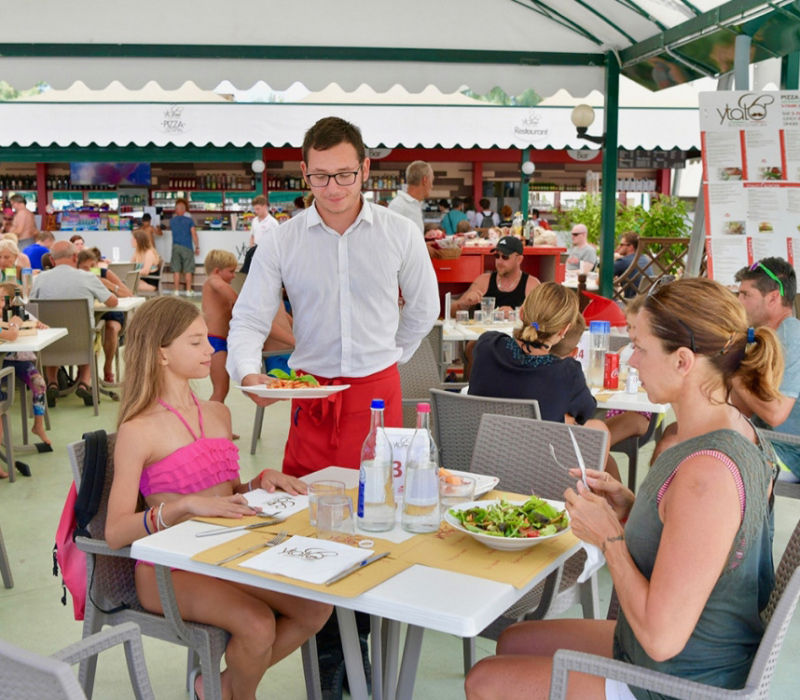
(376, 505)
(27, 282)
(421, 491)
(599, 332)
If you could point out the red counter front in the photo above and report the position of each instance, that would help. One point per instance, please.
(456, 275)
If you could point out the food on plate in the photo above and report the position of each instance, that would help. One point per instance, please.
(771, 173)
(449, 477)
(730, 173)
(534, 518)
(735, 228)
(282, 380)
(765, 227)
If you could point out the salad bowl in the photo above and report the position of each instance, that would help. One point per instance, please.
(506, 544)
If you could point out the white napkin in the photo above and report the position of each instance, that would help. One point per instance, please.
(280, 503)
(594, 562)
(308, 559)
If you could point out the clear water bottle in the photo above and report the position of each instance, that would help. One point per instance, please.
(599, 332)
(27, 282)
(376, 505)
(421, 491)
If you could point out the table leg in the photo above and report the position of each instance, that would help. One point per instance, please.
(376, 655)
(391, 651)
(352, 653)
(408, 667)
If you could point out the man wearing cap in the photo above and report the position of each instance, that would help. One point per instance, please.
(583, 256)
(508, 284)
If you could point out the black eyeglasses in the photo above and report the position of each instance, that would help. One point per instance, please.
(658, 284)
(500, 255)
(342, 179)
(770, 273)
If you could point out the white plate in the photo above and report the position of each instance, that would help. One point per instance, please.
(314, 392)
(506, 544)
(483, 483)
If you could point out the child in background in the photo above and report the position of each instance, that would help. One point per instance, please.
(218, 300)
(25, 369)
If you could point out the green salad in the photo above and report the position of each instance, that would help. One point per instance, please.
(292, 380)
(534, 518)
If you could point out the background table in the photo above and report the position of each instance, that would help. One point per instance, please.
(125, 305)
(420, 596)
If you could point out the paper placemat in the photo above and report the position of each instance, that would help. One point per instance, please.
(349, 587)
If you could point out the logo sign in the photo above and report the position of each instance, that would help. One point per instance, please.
(584, 156)
(531, 127)
(751, 107)
(378, 153)
(173, 120)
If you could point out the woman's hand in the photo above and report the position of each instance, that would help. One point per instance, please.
(591, 517)
(271, 480)
(619, 497)
(218, 506)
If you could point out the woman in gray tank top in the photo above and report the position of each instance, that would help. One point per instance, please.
(691, 554)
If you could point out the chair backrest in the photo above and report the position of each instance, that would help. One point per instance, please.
(25, 674)
(654, 258)
(121, 269)
(77, 347)
(436, 339)
(113, 580)
(7, 386)
(417, 377)
(131, 280)
(517, 450)
(456, 418)
(777, 616)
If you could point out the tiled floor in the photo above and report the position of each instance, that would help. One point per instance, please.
(32, 616)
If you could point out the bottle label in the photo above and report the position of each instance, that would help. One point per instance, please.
(362, 480)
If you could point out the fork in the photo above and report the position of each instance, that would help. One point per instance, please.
(280, 537)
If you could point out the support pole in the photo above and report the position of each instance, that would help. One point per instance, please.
(609, 185)
(790, 72)
(741, 62)
(523, 185)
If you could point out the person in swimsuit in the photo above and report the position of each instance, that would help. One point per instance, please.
(693, 566)
(175, 452)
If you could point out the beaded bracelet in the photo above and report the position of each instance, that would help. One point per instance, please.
(161, 523)
(147, 529)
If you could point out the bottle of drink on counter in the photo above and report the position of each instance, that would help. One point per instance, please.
(421, 491)
(599, 332)
(516, 225)
(376, 506)
(26, 279)
(18, 305)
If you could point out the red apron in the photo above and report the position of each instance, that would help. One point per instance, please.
(330, 432)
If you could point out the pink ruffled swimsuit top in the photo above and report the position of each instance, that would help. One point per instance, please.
(201, 464)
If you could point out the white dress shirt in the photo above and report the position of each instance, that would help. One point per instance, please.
(260, 226)
(343, 290)
(405, 205)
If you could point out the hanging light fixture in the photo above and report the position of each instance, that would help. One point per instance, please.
(583, 117)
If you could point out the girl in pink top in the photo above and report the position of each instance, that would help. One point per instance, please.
(176, 452)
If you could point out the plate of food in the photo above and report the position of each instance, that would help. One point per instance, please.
(483, 483)
(283, 385)
(510, 525)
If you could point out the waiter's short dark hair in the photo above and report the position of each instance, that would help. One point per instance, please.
(330, 132)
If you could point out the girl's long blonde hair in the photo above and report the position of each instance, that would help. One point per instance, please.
(143, 243)
(155, 325)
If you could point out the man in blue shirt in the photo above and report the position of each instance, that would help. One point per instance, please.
(184, 247)
(450, 219)
(624, 255)
(35, 251)
(766, 291)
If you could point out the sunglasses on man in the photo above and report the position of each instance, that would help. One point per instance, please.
(501, 255)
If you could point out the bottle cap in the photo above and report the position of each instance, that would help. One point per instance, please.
(377, 403)
(423, 408)
(600, 327)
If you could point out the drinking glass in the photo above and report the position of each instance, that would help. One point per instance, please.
(479, 317)
(487, 306)
(335, 519)
(321, 488)
(513, 316)
(499, 316)
(462, 317)
(455, 490)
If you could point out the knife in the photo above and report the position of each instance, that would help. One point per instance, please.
(578, 454)
(225, 530)
(356, 567)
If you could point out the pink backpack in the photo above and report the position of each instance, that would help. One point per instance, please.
(68, 558)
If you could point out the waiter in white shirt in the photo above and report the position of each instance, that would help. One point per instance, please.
(263, 221)
(342, 262)
(419, 183)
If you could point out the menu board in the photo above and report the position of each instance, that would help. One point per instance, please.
(642, 158)
(751, 177)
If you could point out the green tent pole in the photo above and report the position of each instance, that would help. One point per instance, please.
(524, 187)
(608, 191)
(790, 72)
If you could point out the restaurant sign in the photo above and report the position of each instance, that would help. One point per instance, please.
(532, 126)
(378, 153)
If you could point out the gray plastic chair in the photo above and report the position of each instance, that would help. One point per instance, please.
(777, 616)
(436, 339)
(5, 566)
(785, 488)
(131, 280)
(630, 446)
(77, 348)
(456, 418)
(112, 599)
(517, 450)
(120, 269)
(417, 377)
(7, 383)
(156, 276)
(24, 674)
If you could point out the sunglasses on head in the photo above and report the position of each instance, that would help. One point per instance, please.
(770, 273)
(658, 284)
(501, 255)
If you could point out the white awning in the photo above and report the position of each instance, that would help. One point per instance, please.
(221, 124)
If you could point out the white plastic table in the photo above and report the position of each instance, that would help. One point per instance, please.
(125, 305)
(422, 597)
